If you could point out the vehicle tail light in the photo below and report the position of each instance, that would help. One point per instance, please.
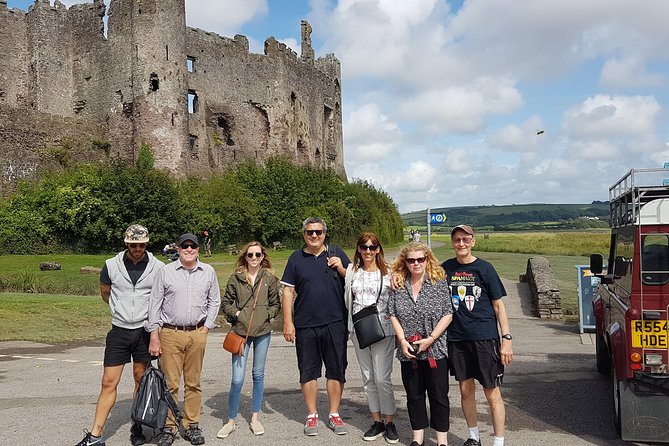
(653, 359)
(635, 359)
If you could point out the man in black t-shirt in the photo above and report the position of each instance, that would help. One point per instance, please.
(474, 345)
(320, 330)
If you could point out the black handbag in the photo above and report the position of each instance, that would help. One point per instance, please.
(367, 326)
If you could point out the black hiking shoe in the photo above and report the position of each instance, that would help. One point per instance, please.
(194, 434)
(166, 438)
(90, 440)
(472, 442)
(137, 434)
(374, 432)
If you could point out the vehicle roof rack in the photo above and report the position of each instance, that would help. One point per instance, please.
(633, 191)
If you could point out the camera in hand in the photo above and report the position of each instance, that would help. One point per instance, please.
(412, 340)
(232, 320)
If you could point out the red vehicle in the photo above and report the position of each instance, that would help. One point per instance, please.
(632, 305)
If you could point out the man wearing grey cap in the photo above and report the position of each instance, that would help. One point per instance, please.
(474, 347)
(184, 303)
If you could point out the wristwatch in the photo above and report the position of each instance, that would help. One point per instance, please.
(507, 336)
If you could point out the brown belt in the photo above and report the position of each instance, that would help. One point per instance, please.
(184, 327)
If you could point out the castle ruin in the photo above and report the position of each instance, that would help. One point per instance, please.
(201, 101)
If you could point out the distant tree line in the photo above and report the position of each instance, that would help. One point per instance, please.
(86, 208)
(519, 217)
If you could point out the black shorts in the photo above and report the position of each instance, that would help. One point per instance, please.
(476, 359)
(316, 346)
(122, 343)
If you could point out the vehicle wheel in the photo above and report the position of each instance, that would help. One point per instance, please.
(603, 357)
(615, 387)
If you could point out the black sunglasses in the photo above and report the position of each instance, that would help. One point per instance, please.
(411, 261)
(364, 247)
(317, 232)
(185, 245)
(249, 255)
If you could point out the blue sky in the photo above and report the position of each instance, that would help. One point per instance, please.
(442, 100)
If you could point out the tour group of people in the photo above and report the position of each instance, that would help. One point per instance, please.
(437, 320)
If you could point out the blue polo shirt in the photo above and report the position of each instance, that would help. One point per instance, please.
(319, 288)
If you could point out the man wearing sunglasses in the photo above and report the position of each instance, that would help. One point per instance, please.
(474, 347)
(319, 329)
(183, 307)
(125, 285)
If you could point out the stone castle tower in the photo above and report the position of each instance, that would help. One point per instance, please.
(199, 100)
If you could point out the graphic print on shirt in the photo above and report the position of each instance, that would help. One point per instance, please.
(464, 289)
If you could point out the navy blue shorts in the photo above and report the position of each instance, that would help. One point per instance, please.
(476, 359)
(123, 343)
(316, 346)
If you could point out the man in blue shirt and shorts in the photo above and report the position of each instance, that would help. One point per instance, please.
(319, 330)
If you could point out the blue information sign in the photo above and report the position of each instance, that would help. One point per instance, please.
(587, 291)
(437, 219)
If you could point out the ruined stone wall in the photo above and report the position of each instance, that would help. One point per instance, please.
(13, 57)
(30, 140)
(258, 105)
(148, 61)
(543, 287)
(60, 74)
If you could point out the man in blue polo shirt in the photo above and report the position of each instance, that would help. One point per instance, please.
(319, 330)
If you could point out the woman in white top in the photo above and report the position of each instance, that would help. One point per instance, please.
(368, 283)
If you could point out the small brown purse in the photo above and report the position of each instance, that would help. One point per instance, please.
(233, 342)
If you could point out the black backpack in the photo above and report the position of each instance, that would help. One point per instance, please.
(153, 399)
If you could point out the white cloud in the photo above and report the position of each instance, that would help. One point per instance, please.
(525, 137)
(369, 134)
(609, 117)
(224, 17)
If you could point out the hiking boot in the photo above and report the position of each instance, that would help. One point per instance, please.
(311, 426)
(194, 434)
(137, 434)
(337, 425)
(166, 438)
(89, 440)
(472, 442)
(374, 432)
(392, 436)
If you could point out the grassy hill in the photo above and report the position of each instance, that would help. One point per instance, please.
(537, 216)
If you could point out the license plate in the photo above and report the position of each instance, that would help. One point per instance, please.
(650, 334)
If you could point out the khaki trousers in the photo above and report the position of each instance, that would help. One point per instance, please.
(182, 355)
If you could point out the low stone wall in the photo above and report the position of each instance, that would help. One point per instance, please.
(543, 287)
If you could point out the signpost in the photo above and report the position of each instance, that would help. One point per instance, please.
(436, 218)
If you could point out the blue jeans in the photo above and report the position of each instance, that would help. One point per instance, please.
(260, 348)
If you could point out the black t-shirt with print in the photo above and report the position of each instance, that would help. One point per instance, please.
(473, 288)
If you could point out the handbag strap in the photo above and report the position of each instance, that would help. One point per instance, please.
(378, 295)
(253, 310)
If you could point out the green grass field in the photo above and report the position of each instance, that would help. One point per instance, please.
(63, 306)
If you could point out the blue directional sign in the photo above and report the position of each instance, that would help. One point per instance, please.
(437, 218)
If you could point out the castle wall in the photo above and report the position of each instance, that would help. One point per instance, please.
(13, 58)
(30, 140)
(61, 77)
(148, 61)
(259, 105)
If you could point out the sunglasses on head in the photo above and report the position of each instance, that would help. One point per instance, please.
(413, 260)
(186, 245)
(312, 232)
(249, 255)
(364, 247)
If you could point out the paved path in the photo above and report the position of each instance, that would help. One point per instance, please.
(554, 395)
